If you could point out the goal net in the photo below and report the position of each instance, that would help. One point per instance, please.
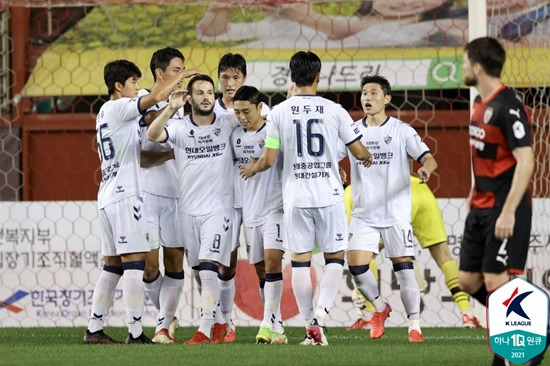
(53, 52)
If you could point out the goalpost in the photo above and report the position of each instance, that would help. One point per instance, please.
(53, 53)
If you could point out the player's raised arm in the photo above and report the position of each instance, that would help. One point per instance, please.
(429, 165)
(156, 131)
(164, 88)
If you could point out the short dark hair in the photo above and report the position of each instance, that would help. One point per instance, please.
(119, 71)
(232, 61)
(304, 67)
(489, 53)
(162, 58)
(377, 79)
(199, 77)
(247, 93)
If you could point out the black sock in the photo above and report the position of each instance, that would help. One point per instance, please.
(481, 295)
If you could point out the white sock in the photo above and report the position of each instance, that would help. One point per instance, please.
(303, 291)
(152, 290)
(170, 295)
(273, 291)
(367, 284)
(261, 289)
(227, 298)
(104, 291)
(134, 297)
(210, 296)
(197, 278)
(410, 293)
(328, 289)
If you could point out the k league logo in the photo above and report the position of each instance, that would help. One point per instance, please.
(517, 320)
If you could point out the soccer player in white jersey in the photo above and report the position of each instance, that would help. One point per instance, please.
(124, 242)
(307, 128)
(232, 75)
(382, 204)
(262, 211)
(204, 158)
(159, 179)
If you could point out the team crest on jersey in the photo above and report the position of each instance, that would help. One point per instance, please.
(488, 115)
(387, 139)
(261, 143)
(217, 131)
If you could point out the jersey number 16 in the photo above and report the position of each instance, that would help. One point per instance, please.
(311, 137)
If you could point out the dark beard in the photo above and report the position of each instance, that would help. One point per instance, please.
(470, 81)
(201, 112)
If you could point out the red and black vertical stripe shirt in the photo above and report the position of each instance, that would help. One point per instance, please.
(499, 125)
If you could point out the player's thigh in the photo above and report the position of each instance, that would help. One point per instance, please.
(473, 244)
(190, 235)
(363, 237)
(108, 247)
(152, 211)
(254, 243)
(427, 223)
(331, 228)
(215, 236)
(398, 240)
(128, 224)
(169, 228)
(518, 245)
(298, 229)
(273, 232)
(236, 233)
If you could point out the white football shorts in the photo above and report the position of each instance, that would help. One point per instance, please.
(162, 221)
(266, 236)
(397, 239)
(208, 236)
(123, 228)
(325, 226)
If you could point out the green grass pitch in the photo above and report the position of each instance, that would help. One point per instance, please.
(63, 346)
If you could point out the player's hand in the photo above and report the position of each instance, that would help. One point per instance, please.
(291, 91)
(343, 175)
(504, 227)
(178, 99)
(187, 73)
(424, 174)
(368, 162)
(247, 171)
(358, 299)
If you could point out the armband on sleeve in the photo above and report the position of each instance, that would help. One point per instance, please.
(272, 142)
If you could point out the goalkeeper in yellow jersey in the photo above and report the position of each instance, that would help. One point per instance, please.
(428, 228)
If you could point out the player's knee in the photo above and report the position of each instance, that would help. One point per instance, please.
(151, 271)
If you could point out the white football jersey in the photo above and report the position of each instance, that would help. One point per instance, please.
(118, 146)
(262, 194)
(221, 110)
(309, 128)
(205, 161)
(382, 193)
(161, 179)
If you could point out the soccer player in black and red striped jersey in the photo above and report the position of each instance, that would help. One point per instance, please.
(497, 229)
